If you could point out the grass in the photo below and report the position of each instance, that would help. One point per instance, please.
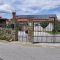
(50, 32)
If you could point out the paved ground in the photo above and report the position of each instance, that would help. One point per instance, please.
(15, 51)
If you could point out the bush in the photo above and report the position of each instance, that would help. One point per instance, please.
(5, 35)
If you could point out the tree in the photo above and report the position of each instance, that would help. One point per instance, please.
(44, 24)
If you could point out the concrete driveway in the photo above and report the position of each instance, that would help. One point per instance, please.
(11, 51)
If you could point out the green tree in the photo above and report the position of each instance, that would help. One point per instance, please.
(44, 25)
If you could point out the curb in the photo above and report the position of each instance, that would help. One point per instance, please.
(28, 44)
(45, 45)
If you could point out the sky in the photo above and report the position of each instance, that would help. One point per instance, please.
(29, 7)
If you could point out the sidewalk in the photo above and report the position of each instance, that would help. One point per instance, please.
(52, 45)
(28, 44)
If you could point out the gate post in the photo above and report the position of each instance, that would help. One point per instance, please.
(30, 30)
(15, 26)
(54, 39)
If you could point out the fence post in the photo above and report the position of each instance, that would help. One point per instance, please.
(54, 31)
(30, 30)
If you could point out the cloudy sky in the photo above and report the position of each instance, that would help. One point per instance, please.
(29, 7)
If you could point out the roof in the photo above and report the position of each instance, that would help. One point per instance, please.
(3, 19)
(36, 16)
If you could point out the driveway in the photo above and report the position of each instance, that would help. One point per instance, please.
(11, 51)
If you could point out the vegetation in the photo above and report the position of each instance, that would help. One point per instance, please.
(50, 32)
(44, 24)
(5, 35)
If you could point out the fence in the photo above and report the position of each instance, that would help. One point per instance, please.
(46, 32)
(37, 31)
(42, 32)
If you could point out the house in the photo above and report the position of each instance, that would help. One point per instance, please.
(3, 22)
(31, 23)
(36, 19)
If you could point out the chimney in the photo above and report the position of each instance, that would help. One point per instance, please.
(13, 15)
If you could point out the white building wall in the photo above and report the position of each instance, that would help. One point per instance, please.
(49, 27)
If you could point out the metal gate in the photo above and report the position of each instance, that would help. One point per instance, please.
(46, 32)
(23, 32)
